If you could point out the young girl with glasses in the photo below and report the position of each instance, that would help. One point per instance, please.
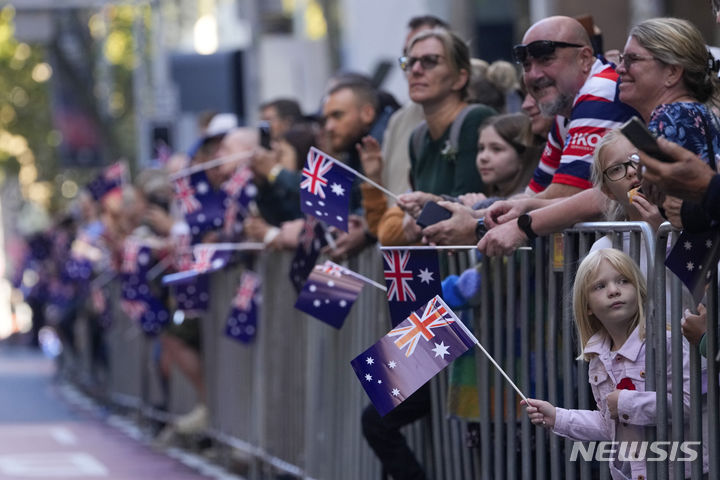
(608, 299)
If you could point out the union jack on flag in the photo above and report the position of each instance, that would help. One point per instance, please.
(203, 257)
(398, 276)
(238, 181)
(331, 206)
(318, 165)
(389, 375)
(131, 248)
(248, 286)
(243, 317)
(412, 278)
(435, 315)
(185, 194)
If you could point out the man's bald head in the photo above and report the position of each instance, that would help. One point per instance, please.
(239, 142)
(559, 29)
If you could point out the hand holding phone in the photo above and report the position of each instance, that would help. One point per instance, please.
(264, 129)
(432, 213)
(638, 134)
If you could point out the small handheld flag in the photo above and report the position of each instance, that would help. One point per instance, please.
(411, 354)
(242, 320)
(329, 294)
(325, 189)
(693, 258)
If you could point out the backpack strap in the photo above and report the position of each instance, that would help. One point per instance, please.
(418, 135)
(458, 123)
(416, 140)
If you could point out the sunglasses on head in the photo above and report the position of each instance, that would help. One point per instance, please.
(427, 62)
(539, 49)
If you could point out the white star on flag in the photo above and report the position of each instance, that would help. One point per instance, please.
(690, 266)
(708, 243)
(426, 276)
(370, 360)
(395, 392)
(687, 245)
(368, 377)
(441, 350)
(337, 189)
(392, 364)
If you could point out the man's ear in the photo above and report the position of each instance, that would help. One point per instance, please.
(367, 114)
(588, 58)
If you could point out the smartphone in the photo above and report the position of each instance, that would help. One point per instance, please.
(264, 128)
(640, 136)
(432, 213)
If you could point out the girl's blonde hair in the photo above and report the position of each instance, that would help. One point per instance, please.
(587, 324)
(613, 211)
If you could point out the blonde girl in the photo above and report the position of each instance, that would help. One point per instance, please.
(608, 298)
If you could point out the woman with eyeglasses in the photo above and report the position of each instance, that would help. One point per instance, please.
(668, 75)
(437, 67)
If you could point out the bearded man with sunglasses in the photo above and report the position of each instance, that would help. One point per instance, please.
(580, 90)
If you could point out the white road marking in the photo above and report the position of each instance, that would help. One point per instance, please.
(63, 436)
(52, 464)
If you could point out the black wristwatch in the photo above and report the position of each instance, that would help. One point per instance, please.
(480, 229)
(524, 222)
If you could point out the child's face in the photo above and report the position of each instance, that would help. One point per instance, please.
(612, 298)
(497, 161)
(613, 156)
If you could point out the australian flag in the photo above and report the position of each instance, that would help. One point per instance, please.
(329, 293)
(203, 206)
(312, 240)
(193, 296)
(242, 321)
(137, 299)
(694, 258)
(110, 180)
(207, 259)
(412, 278)
(325, 189)
(411, 354)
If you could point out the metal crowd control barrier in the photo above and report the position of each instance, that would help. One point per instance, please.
(290, 403)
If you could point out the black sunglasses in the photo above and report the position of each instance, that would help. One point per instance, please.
(427, 62)
(539, 49)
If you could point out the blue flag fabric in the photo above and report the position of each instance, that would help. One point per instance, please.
(242, 321)
(138, 300)
(329, 294)
(412, 278)
(203, 206)
(411, 354)
(325, 189)
(110, 180)
(193, 296)
(693, 259)
(312, 240)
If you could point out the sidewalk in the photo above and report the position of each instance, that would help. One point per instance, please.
(43, 436)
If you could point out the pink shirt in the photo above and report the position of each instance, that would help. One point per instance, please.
(623, 369)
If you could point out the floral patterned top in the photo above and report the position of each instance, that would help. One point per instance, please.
(689, 124)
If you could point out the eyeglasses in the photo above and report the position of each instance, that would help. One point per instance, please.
(619, 171)
(539, 49)
(628, 59)
(427, 62)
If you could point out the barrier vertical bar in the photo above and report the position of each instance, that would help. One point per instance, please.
(539, 255)
(525, 328)
(568, 362)
(509, 330)
(498, 381)
(713, 396)
(584, 244)
(483, 373)
(552, 362)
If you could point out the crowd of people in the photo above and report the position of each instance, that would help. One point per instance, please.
(504, 176)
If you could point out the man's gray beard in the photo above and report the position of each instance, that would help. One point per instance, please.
(562, 105)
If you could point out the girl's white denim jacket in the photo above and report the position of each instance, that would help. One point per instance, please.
(636, 408)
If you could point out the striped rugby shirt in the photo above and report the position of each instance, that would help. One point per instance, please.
(569, 150)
